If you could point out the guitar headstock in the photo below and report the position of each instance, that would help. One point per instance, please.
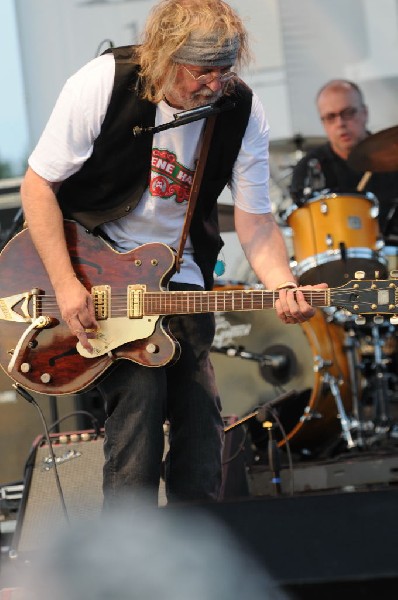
(362, 297)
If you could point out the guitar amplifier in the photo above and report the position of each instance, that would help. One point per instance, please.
(79, 460)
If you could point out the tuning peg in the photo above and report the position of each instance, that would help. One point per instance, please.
(378, 319)
(394, 274)
(359, 274)
(394, 320)
(360, 320)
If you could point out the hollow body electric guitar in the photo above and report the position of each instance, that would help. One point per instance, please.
(132, 306)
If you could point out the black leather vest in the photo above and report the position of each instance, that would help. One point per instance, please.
(112, 181)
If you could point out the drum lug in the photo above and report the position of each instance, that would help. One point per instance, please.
(380, 243)
(324, 208)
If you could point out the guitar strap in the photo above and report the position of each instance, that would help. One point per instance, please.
(197, 180)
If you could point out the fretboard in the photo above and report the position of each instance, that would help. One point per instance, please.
(169, 303)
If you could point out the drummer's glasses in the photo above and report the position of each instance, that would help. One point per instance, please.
(345, 115)
(207, 78)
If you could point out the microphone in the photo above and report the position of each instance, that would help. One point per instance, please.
(275, 361)
(188, 116)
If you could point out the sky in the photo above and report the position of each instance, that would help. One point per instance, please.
(13, 121)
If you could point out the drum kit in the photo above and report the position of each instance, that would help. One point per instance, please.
(330, 384)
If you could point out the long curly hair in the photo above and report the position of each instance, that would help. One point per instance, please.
(167, 29)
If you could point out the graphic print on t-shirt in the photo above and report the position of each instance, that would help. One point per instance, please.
(169, 178)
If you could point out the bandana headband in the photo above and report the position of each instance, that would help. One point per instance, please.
(203, 51)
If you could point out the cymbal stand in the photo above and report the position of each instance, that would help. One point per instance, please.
(342, 415)
(381, 390)
(350, 346)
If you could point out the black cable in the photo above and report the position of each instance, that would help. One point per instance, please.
(22, 392)
(275, 416)
(239, 450)
(94, 421)
(106, 41)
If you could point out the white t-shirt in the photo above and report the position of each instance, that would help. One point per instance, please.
(75, 123)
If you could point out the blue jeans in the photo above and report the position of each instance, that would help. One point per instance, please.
(140, 399)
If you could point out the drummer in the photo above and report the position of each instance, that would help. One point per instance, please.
(344, 116)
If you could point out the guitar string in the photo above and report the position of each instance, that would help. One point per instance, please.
(213, 301)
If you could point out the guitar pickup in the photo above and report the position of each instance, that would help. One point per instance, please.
(135, 301)
(101, 295)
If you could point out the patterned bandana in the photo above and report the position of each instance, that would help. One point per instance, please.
(203, 51)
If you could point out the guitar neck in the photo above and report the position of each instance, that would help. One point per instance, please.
(169, 303)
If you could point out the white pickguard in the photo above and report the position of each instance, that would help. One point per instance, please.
(115, 332)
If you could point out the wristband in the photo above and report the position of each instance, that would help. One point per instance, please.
(286, 285)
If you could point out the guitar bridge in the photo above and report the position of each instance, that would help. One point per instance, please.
(135, 301)
(102, 301)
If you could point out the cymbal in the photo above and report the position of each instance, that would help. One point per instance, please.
(298, 143)
(376, 153)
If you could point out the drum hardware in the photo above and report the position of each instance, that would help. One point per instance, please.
(309, 415)
(381, 411)
(341, 413)
(375, 348)
(333, 384)
(376, 153)
(351, 348)
(334, 235)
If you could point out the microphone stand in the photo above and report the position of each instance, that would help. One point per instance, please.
(15, 227)
(273, 459)
(188, 116)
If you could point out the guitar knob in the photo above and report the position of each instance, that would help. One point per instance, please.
(378, 319)
(152, 348)
(394, 320)
(45, 377)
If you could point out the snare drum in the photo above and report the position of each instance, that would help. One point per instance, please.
(390, 254)
(334, 236)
